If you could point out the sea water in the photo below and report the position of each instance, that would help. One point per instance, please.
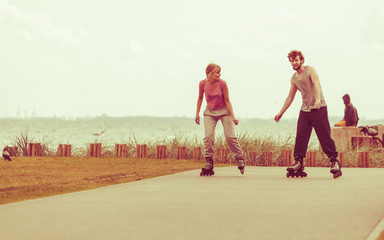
(111, 130)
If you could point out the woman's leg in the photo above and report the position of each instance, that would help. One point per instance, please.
(230, 137)
(209, 139)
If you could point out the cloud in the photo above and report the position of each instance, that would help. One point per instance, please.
(34, 26)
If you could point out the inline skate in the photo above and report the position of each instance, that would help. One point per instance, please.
(241, 165)
(297, 169)
(207, 170)
(335, 168)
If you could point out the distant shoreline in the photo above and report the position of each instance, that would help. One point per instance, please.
(331, 118)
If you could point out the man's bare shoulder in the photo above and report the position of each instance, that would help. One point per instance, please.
(311, 71)
(310, 68)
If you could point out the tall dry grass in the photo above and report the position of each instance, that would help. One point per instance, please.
(258, 143)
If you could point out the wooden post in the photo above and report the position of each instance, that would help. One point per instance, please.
(341, 158)
(286, 158)
(363, 159)
(117, 149)
(222, 154)
(120, 150)
(34, 149)
(252, 157)
(67, 150)
(268, 158)
(124, 150)
(181, 152)
(197, 153)
(91, 147)
(161, 151)
(60, 150)
(360, 159)
(311, 159)
(39, 149)
(141, 151)
(158, 152)
(99, 150)
(29, 150)
(138, 151)
(95, 149)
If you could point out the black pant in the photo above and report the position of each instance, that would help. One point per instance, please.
(318, 119)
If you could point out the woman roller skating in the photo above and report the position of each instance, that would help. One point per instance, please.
(219, 107)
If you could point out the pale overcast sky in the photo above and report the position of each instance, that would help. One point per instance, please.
(78, 58)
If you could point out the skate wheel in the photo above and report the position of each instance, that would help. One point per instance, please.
(337, 174)
(288, 175)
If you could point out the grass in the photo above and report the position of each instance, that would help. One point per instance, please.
(35, 177)
(258, 143)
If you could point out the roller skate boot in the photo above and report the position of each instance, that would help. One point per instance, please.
(297, 169)
(335, 168)
(240, 165)
(207, 170)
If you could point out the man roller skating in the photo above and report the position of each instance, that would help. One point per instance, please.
(313, 114)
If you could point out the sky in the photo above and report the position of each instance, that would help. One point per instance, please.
(145, 58)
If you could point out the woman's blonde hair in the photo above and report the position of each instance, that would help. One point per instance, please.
(212, 67)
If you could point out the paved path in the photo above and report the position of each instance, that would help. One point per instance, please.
(262, 204)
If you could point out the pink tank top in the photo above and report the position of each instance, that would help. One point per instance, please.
(213, 93)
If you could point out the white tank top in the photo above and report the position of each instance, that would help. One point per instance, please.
(306, 87)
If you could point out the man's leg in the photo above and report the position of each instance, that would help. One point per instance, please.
(323, 132)
(303, 133)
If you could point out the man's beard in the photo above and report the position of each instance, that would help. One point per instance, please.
(297, 67)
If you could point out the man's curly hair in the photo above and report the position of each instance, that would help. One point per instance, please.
(294, 53)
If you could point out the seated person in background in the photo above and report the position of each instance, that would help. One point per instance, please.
(351, 117)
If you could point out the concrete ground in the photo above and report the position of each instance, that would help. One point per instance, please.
(261, 204)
